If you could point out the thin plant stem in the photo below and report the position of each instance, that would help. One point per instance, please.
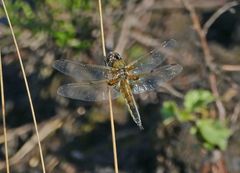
(217, 14)
(4, 116)
(101, 25)
(109, 94)
(113, 134)
(27, 87)
(207, 57)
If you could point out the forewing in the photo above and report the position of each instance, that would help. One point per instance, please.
(155, 78)
(88, 92)
(153, 59)
(80, 71)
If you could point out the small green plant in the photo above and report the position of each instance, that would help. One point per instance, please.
(197, 110)
(57, 18)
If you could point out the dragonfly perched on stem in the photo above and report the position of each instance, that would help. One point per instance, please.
(141, 75)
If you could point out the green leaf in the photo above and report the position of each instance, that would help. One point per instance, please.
(197, 99)
(214, 132)
(184, 116)
(193, 130)
(168, 121)
(208, 146)
(169, 109)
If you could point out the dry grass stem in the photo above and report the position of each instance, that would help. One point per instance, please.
(217, 14)
(231, 68)
(176, 5)
(13, 133)
(26, 84)
(45, 131)
(109, 94)
(47, 128)
(4, 116)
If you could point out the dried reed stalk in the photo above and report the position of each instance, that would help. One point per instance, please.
(4, 117)
(109, 93)
(26, 85)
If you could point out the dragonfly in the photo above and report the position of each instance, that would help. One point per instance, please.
(117, 77)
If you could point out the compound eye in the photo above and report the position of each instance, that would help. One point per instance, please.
(117, 56)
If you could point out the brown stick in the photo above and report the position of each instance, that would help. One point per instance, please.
(47, 128)
(132, 20)
(231, 67)
(200, 5)
(219, 104)
(208, 58)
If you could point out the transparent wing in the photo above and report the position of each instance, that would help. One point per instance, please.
(154, 79)
(81, 72)
(97, 91)
(153, 59)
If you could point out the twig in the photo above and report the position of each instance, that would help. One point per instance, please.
(46, 129)
(4, 117)
(132, 20)
(145, 39)
(234, 117)
(128, 21)
(196, 24)
(207, 57)
(217, 14)
(176, 5)
(13, 133)
(230, 67)
(172, 90)
(219, 104)
(109, 94)
(27, 87)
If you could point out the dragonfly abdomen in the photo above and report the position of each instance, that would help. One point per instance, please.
(131, 103)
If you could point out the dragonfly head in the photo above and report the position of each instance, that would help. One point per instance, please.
(112, 57)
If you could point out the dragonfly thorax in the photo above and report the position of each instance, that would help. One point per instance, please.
(122, 73)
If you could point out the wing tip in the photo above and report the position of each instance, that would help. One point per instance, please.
(180, 68)
(170, 43)
(57, 63)
(59, 91)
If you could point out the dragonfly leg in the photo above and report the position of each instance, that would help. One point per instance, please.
(131, 67)
(133, 77)
(112, 82)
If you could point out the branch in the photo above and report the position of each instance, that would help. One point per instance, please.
(132, 19)
(176, 5)
(217, 14)
(47, 128)
(230, 67)
(207, 57)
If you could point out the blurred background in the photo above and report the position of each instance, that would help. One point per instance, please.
(191, 123)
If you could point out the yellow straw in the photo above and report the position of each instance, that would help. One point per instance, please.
(109, 94)
(27, 87)
(4, 116)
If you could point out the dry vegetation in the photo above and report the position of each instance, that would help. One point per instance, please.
(76, 136)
